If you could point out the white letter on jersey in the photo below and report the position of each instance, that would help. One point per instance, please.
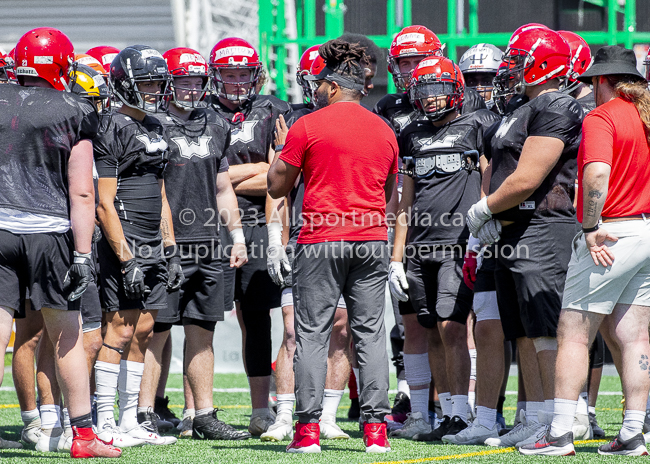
(153, 146)
(243, 135)
(188, 150)
(505, 127)
(448, 142)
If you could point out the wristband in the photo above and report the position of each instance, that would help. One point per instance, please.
(274, 230)
(279, 147)
(80, 258)
(237, 235)
(591, 229)
(170, 251)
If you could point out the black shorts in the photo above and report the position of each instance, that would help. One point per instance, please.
(251, 284)
(201, 295)
(532, 262)
(149, 255)
(485, 275)
(437, 291)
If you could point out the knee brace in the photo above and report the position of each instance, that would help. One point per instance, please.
(258, 342)
(486, 307)
(287, 297)
(417, 370)
(120, 351)
(545, 344)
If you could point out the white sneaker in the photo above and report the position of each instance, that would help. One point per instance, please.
(518, 434)
(281, 429)
(109, 433)
(474, 434)
(30, 432)
(48, 440)
(537, 435)
(581, 427)
(414, 424)
(330, 431)
(145, 433)
(260, 424)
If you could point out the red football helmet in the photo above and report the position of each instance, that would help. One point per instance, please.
(535, 56)
(104, 54)
(435, 77)
(186, 62)
(235, 54)
(304, 68)
(581, 58)
(83, 58)
(7, 67)
(411, 41)
(47, 53)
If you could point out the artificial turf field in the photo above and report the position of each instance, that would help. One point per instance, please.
(236, 411)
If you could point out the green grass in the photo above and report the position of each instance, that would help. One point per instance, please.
(236, 411)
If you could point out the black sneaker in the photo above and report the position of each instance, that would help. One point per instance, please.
(355, 410)
(456, 425)
(635, 446)
(437, 434)
(161, 408)
(401, 407)
(549, 445)
(208, 427)
(154, 423)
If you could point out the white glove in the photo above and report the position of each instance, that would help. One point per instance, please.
(473, 244)
(478, 215)
(490, 232)
(397, 281)
(277, 261)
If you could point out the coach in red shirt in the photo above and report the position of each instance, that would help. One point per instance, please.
(348, 157)
(608, 280)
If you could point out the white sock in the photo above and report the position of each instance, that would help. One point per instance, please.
(486, 417)
(66, 420)
(471, 400)
(547, 417)
(285, 405)
(445, 403)
(520, 405)
(563, 413)
(531, 410)
(28, 416)
(331, 400)
(632, 424)
(592, 410)
(358, 378)
(420, 402)
(106, 378)
(189, 413)
(583, 404)
(129, 387)
(403, 386)
(472, 363)
(50, 416)
(260, 412)
(459, 406)
(204, 412)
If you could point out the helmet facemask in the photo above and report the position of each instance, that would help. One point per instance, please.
(197, 96)
(245, 89)
(436, 98)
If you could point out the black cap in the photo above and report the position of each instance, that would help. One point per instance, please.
(612, 59)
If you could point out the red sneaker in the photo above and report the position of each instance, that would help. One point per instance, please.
(85, 444)
(374, 437)
(307, 439)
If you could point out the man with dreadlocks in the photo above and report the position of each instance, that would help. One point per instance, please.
(349, 171)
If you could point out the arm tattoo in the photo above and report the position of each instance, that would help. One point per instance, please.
(643, 362)
(593, 203)
(164, 229)
(595, 194)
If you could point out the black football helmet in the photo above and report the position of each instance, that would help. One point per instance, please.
(136, 64)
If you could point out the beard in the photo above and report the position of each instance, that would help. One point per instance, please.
(320, 100)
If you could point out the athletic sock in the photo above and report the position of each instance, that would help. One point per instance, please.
(331, 400)
(106, 378)
(129, 382)
(204, 412)
(471, 400)
(521, 405)
(66, 422)
(28, 416)
(472, 363)
(531, 410)
(486, 417)
(420, 402)
(418, 374)
(547, 417)
(189, 413)
(459, 406)
(563, 413)
(50, 416)
(445, 403)
(592, 410)
(583, 404)
(632, 424)
(403, 386)
(285, 406)
(356, 375)
(260, 412)
(502, 399)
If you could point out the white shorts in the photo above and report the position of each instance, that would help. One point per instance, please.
(287, 299)
(598, 289)
(486, 307)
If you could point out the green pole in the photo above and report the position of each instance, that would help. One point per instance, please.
(390, 17)
(264, 12)
(630, 22)
(611, 22)
(408, 13)
(310, 19)
(473, 17)
(451, 28)
(334, 11)
(300, 26)
(281, 51)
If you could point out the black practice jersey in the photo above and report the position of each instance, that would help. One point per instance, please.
(446, 185)
(588, 102)
(397, 109)
(135, 153)
(38, 129)
(252, 131)
(552, 114)
(472, 102)
(197, 153)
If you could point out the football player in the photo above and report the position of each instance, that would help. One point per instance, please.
(479, 65)
(441, 155)
(338, 366)
(52, 221)
(530, 201)
(105, 55)
(130, 157)
(234, 69)
(581, 59)
(199, 139)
